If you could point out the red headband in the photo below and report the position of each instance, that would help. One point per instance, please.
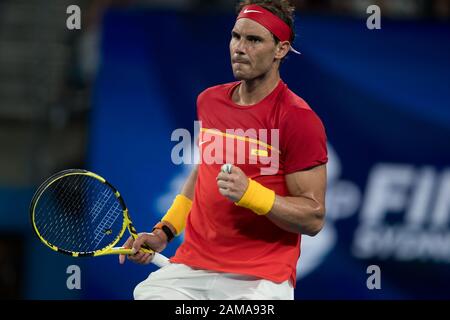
(267, 19)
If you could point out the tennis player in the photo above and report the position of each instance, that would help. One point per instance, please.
(242, 227)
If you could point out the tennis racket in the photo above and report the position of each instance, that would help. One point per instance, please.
(78, 213)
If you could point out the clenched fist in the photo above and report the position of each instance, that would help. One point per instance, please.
(232, 182)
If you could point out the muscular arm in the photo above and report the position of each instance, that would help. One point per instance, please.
(304, 211)
(301, 212)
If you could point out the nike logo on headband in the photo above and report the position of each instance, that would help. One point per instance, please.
(250, 11)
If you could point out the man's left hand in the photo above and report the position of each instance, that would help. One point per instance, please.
(232, 185)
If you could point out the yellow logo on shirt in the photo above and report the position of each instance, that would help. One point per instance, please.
(258, 152)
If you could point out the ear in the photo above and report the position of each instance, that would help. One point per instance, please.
(282, 49)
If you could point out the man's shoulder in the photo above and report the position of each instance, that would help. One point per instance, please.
(295, 108)
(292, 101)
(217, 90)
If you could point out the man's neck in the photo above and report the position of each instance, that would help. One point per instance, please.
(253, 91)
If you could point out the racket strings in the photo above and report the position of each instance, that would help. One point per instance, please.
(100, 204)
(105, 225)
(66, 209)
(78, 213)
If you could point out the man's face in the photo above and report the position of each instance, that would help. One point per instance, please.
(252, 50)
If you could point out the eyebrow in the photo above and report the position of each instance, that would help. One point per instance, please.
(249, 36)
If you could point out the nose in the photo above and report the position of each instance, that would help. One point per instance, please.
(239, 47)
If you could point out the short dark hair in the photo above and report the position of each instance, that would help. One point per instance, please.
(281, 8)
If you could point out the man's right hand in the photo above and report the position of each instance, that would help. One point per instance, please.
(154, 241)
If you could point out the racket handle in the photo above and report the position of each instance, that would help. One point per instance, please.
(160, 260)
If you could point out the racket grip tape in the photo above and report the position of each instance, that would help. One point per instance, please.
(160, 260)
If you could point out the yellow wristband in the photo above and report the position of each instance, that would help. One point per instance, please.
(257, 198)
(178, 212)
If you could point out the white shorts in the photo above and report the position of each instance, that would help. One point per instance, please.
(181, 282)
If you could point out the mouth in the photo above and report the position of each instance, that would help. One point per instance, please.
(240, 61)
